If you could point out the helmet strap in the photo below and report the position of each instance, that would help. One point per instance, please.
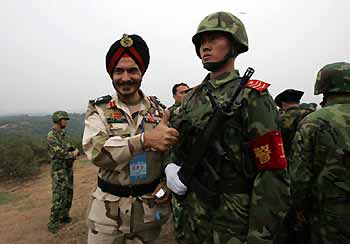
(214, 66)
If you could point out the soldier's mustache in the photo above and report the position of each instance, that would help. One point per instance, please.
(127, 83)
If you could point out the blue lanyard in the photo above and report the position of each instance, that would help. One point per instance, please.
(142, 127)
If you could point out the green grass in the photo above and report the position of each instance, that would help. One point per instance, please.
(6, 197)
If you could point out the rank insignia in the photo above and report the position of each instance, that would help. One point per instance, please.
(126, 41)
(117, 115)
(257, 85)
(268, 151)
(112, 104)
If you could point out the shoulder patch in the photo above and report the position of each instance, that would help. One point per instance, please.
(101, 100)
(257, 85)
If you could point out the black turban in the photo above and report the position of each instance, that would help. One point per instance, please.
(289, 95)
(129, 45)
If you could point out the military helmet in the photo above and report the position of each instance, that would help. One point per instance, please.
(225, 22)
(333, 78)
(58, 115)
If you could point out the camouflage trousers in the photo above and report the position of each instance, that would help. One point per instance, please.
(62, 190)
(227, 224)
(177, 219)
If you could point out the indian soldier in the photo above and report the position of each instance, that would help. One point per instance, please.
(62, 155)
(125, 135)
(320, 161)
(292, 113)
(239, 191)
(179, 91)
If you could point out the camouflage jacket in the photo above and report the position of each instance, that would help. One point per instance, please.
(320, 171)
(173, 107)
(290, 120)
(59, 148)
(254, 216)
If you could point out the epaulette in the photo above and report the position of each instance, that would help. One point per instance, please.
(100, 100)
(257, 85)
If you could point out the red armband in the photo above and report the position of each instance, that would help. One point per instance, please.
(268, 151)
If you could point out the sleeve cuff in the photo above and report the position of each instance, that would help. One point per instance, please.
(135, 144)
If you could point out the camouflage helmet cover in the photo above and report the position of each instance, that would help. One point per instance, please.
(58, 115)
(333, 78)
(225, 22)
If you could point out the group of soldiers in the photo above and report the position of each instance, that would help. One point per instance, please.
(234, 169)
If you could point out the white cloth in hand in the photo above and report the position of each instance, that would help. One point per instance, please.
(172, 179)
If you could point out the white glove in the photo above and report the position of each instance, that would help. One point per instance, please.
(172, 179)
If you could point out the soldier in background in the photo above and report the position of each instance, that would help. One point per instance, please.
(291, 113)
(62, 155)
(240, 187)
(124, 136)
(320, 160)
(179, 91)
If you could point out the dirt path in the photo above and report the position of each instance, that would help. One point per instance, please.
(24, 220)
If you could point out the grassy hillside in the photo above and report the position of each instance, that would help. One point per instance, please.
(23, 142)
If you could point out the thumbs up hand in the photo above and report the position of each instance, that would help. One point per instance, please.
(161, 137)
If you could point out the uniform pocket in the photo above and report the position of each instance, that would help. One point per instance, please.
(120, 129)
(155, 213)
(111, 216)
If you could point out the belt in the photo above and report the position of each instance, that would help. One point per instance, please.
(126, 191)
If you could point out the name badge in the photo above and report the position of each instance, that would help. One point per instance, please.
(138, 167)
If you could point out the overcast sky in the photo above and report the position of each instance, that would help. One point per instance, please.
(53, 52)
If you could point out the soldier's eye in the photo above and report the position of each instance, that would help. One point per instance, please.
(118, 71)
(133, 70)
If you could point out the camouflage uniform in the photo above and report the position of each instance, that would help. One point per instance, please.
(110, 129)
(320, 160)
(252, 203)
(290, 120)
(175, 204)
(61, 155)
(173, 107)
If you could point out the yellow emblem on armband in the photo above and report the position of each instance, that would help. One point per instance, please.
(263, 154)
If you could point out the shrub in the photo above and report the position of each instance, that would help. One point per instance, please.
(17, 160)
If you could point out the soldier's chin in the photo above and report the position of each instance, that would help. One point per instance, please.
(126, 92)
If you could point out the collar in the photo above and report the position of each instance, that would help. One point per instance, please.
(115, 102)
(223, 79)
(341, 99)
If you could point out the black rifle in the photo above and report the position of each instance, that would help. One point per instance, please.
(69, 162)
(205, 142)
